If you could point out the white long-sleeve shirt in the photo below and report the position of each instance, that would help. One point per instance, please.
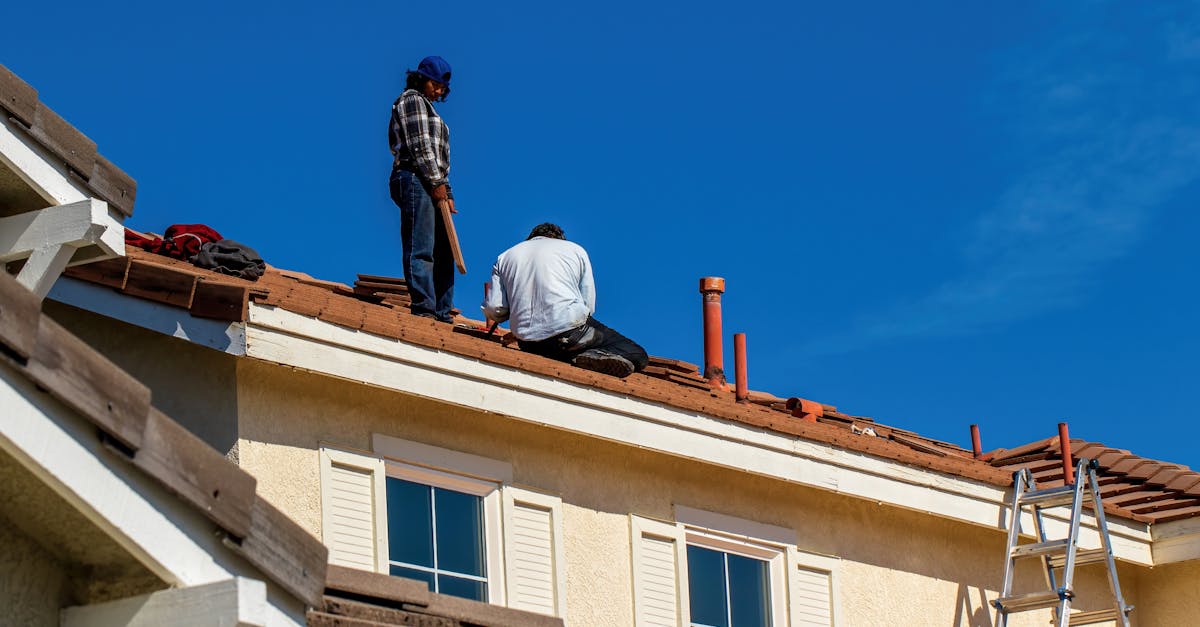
(543, 287)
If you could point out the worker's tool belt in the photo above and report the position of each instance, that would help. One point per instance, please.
(580, 338)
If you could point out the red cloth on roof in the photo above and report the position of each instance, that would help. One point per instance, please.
(181, 241)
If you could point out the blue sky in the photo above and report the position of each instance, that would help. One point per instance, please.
(933, 214)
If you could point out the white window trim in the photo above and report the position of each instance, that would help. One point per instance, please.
(445, 459)
(492, 515)
(487, 478)
(775, 556)
(776, 545)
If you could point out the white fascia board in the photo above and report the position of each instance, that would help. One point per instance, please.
(46, 174)
(1177, 541)
(173, 540)
(227, 337)
(283, 337)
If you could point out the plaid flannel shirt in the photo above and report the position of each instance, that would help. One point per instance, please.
(420, 140)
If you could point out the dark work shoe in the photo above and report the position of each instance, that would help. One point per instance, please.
(604, 362)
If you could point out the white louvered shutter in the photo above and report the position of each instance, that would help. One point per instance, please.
(659, 599)
(535, 579)
(352, 491)
(812, 599)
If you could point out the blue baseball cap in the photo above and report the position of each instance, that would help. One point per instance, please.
(435, 69)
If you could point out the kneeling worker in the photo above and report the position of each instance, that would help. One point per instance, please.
(543, 287)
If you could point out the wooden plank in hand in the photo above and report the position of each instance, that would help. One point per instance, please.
(448, 220)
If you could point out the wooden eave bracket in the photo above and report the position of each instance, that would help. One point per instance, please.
(53, 238)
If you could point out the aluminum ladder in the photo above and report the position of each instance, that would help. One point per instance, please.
(1063, 554)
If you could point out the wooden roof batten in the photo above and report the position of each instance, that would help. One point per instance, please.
(85, 198)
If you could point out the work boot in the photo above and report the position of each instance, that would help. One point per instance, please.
(604, 362)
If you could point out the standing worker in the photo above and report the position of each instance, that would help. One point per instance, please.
(420, 144)
(544, 287)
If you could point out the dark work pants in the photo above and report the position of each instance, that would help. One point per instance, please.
(603, 338)
(428, 259)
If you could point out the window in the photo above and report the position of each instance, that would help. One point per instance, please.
(437, 534)
(712, 570)
(450, 519)
(727, 589)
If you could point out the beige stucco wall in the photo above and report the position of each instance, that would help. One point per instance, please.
(33, 585)
(898, 567)
(1169, 595)
(194, 385)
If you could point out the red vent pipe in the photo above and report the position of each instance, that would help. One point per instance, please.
(714, 369)
(976, 443)
(1064, 443)
(742, 390)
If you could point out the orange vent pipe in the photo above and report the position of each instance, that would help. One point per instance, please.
(714, 362)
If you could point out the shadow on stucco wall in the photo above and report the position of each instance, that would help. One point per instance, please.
(970, 612)
(194, 385)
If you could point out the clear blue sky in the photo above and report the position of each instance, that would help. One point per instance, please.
(931, 213)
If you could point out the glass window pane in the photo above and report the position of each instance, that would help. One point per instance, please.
(412, 573)
(464, 588)
(460, 545)
(706, 586)
(749, 592)
(410, 522)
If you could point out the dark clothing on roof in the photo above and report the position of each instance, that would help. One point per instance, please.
(592, 335)
(229, 257)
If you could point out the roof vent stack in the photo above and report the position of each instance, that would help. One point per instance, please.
(742, 389)
(714, 370)
(1064, 443)
(976, 442)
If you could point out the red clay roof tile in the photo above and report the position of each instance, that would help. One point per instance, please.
(378, 305)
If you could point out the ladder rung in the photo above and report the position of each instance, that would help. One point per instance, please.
(1029, 601)
(1035, 549)
(1063, 495)
(1082, 556)
(1094, 616)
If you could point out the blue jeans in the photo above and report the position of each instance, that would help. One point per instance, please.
(428, 261)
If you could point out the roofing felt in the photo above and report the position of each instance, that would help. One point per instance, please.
(20, 104)
(379, 305)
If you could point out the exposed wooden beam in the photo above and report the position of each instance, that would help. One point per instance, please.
(81, 223)
(50, 239)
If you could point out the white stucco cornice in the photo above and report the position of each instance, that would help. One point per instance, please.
(283, 337)
(1176, 541)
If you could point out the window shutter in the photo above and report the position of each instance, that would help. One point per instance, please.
(814, 601)
(658, 560)
(814, 589)
(534, 567)
(352, 525)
